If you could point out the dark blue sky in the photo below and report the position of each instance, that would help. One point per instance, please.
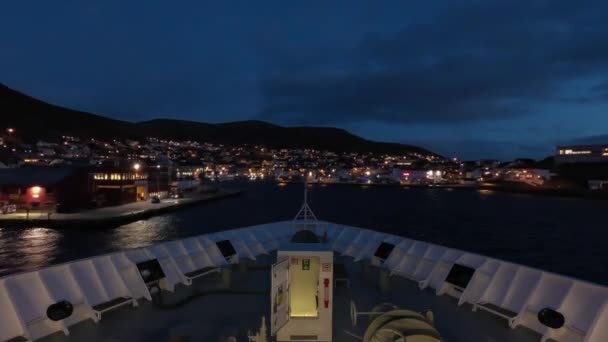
(472, 79)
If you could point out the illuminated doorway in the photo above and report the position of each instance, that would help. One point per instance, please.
(304, 285)
(141, 193)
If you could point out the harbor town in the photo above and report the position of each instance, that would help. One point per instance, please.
(53, 179)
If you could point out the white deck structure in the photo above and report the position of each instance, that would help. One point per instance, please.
(102, 284)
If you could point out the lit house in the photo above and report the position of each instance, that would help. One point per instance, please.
(528, 171)
(193, 171)
(581, 154)
(532, 176)
(47, 189)
(120, 182)
(410, 176)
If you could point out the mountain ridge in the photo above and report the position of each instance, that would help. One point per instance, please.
(37, 119)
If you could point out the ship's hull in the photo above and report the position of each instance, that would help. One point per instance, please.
(503, 293)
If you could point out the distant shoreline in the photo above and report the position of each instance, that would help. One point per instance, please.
(550, 192)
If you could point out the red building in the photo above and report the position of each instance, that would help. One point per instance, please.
(67, 189)
(46, 189)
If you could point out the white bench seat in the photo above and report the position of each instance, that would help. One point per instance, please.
(495, 309)
(102, 287)
(112, 304)
(201, 272)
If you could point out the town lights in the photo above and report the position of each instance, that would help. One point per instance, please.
(10, 131)
(136, 166)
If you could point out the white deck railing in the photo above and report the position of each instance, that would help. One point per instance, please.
(506, 289)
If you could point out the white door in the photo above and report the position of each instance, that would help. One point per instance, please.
(279, 309)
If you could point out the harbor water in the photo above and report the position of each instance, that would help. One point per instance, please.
(562, 235)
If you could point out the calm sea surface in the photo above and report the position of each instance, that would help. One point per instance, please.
(563, 235)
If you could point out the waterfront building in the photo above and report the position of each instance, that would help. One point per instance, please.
(531, 176)
(410, 176)
(47, 189)
(581, 154)
(159, 176)
(118, 182)
(190, 171)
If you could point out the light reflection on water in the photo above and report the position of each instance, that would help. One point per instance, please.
(562, 235)
(486, 191)
(29, 248)
(144, 232)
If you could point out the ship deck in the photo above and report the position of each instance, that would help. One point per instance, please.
(213, 312)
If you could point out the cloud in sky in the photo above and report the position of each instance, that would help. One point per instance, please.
(472, 62)
(451, 71)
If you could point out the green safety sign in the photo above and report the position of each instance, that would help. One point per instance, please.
(305, 264)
